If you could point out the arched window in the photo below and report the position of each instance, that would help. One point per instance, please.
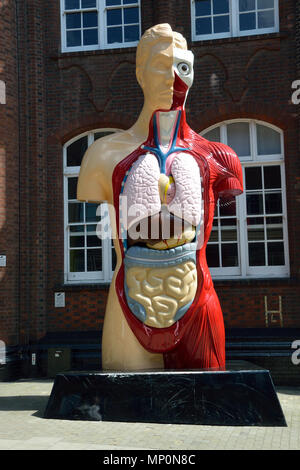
(249, 236)
(87, 258)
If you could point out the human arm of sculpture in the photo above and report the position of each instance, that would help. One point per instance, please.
(92, 186)
(229, 174)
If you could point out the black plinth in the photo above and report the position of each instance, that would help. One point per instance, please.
(242, 395)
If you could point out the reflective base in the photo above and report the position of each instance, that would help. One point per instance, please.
(241, 395)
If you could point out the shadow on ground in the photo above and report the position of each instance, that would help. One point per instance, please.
(288, 390)
(23, 403)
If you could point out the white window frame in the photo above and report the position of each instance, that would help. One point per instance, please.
(102, 27)
(91, 277)
(245, 271)
(233, 24)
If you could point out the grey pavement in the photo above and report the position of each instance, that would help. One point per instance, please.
(22, 427)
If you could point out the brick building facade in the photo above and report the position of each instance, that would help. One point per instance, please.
(53, 98)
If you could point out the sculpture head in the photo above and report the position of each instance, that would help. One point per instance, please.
(161, 55)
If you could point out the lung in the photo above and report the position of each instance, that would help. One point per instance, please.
(141, 185)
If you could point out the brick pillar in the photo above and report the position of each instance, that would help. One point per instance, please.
(33, 177)
(297, 36)
(297, 185)
(9, 177)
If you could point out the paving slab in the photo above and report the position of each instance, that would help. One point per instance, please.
(22, 427)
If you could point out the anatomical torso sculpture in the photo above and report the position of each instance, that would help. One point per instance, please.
(163, 181)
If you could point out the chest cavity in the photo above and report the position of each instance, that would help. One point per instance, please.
(143, 196)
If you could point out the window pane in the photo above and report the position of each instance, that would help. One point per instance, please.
(131, 15)
(257, 254)
(113, 258)
(76, 260)
(247, 5)
(212, 256)
(220, 6)
(213, 135)
(73, 38)
(228, 235)
(90, 36)
(229, 255)
(266, 19)
(75, 212)
(73, 20)
(221, 24)
(71, 4)
(203, 26)
(275, 233)
(114, 35)
(268, 141)
(203, 7)
(275, 254)
(88, 3)
(261, 4)
(91, 228)
(274, 220)
(94, 260)
(227, 207)
(76, 242)
(228, 222)
(98, 135)
(254, 204)
(90, 212)
(72, 188)
(256, 234)
(113, 2)
(77, 229)
(247, 21)
(255, 221)
(238, 138)
(131, 33)
(272, 177)
(93, 240)
(114, 17)
(253, 178)
(214, 236)
(76, 151)
(273, 203)
(128, 2)
(90, 19)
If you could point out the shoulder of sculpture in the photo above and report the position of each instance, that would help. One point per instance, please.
(110, 148)
(223, 152)
(225, 157)
(228, 169)
(108, 142)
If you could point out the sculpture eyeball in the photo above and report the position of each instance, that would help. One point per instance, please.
(183, 61)
(183, 68)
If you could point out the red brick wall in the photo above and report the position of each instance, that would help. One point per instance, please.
(243, 304)
(63, 95)
(9, 179)
(33, 169)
